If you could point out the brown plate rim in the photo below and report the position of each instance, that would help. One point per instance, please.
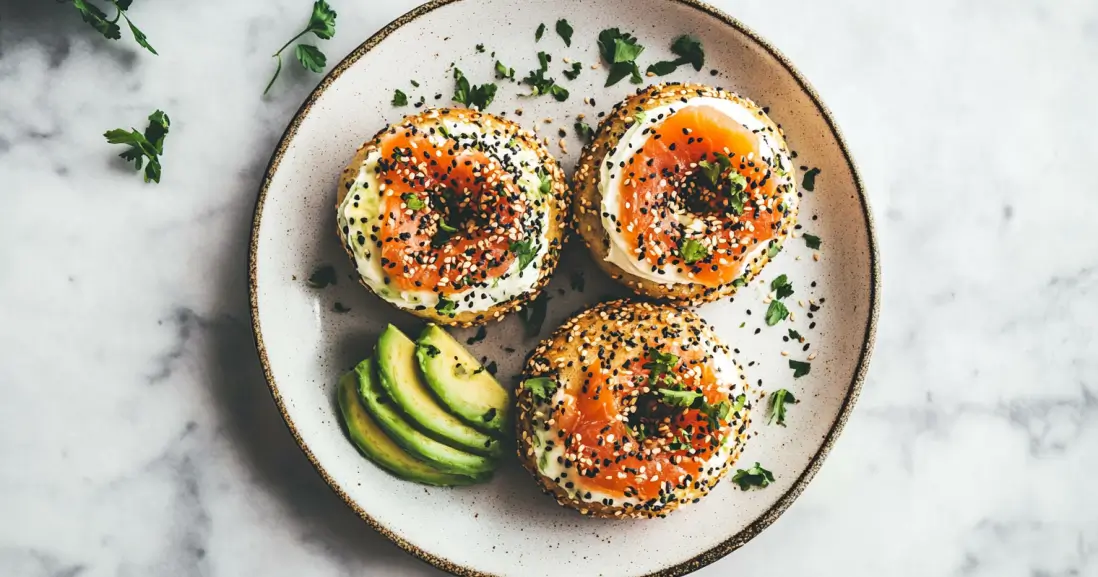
(706, 557)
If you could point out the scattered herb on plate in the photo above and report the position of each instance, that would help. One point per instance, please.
(504, 72)
(778, 400)
(574, 72)
(148, 145)
(400, 98)
(781, 286)
(812, 241)
(689, 51)
(756, 476)
(620, 51)
(322, 25)
(800, 369)
(809, 182)
(540, 32)
(584, 131)
(543, 85)
(564, 29)
(473, 96)
(776, 313)
(480, 49)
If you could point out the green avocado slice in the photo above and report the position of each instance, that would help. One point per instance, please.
(376, 446)
(458, 380)
(440, 455)
(396, 357)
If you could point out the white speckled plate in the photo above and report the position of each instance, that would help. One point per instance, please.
(508, 527)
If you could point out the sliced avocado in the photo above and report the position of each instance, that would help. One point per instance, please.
(396, 359)
(376, 446)
(440, 455)
(458, 380)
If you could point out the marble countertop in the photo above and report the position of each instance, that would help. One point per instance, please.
(137, 437)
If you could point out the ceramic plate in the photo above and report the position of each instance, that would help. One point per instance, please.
(507, 527)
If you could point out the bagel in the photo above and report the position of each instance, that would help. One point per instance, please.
(454, 215)
(685, 193)
(631, 409)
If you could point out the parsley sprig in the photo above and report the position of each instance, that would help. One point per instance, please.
(144, 145)
(689, 51)
(620, 50)
(756, 476)
(110, 29)
(477, 96)
(322, 25)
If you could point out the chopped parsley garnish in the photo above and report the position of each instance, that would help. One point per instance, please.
(340, 308)
(473, 96)
(689, 51)
(778, 399)
(323, 276)
(693, 251)
(442, 225)
(781, 286)
(795, 335)
(565, 31)
(541, 387)
(676, 398)
(431, 350)
(480, 48)
(812, 241)
(443, 130)
(741, 400)
(414, 202)
(533, 316)
(639, 117)
(415, 84)
(584, 131)
(482, 333)
(504, 72)
(446, 306)
(754, 477)
(526, 251)
(147, 145)
(577, 281)
(400, 98)
(714, 170)
(109, 28)
(776, 313)
(574, 72)
(322, 25)
(543, 85)
(540, 32)
(620, 50)
(773, 250)
(800, 369)
(546, 185)
(809, 183)
(660, 364)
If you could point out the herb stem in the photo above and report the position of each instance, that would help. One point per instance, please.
(287, 45)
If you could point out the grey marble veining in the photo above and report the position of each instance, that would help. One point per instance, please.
(137, 438)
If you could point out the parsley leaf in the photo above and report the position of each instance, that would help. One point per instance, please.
(148, 145)
(443, 226)
(778, 399)
(560, 93)
(565, 31)
(776, 313)
(683, 399)
(546, 185)
(400, 98)
(322, 277)
(414, 84)
(800, 369)
(473, 96)
(660, 364)
(504, 72)
(795, 335)
(413, 201)
(584, 131)
(541, 387)
(446, 306)
(533, 316)
(812, 241)
(480, 49)
(781, 286)
(809, 183)
(693, 251)
(689, 51)
(620, 50)
(741, 400)
(539, 33)
(543, 85)
(96, 18)
(322, 25)
(773, 250)
(754, 477)
(526, 251)
(574, 72)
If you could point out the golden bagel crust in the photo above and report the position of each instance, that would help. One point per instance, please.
(559, 355)
(559, 215)
(588, 199)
